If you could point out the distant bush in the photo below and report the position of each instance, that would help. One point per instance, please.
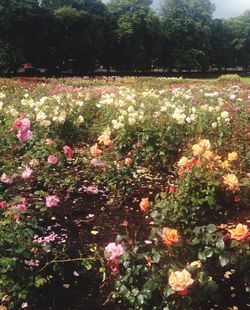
(229, 78)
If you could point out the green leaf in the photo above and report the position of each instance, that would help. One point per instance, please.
(211, 228)
(224, 259)
(220, 244)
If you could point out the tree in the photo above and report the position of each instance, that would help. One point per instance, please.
(186, 24)
(136, 34)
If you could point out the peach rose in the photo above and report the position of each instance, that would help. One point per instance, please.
(144, 204)
(128, 161)
(208, 155)
(180, 280)
(232, 156)
(231, 181)
(95, 151)
(205, 144)
(169, 236)
(240, 232)
(183, 161)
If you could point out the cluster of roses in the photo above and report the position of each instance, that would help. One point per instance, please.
(23, 126)
(181, 280)
(202, 151)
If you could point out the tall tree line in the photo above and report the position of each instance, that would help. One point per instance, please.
(124, 35)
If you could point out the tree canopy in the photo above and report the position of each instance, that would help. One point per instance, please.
(124, 35)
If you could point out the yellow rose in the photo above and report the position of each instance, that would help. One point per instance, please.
(197, 149)
(105, 139)
(180, 280)
(240, 232)
(232, 156)
(231, 181)
(208, 155)
(224, 164)
(196, 264)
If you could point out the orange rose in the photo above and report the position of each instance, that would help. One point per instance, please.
(240, 232)
(231, 181)
(144, 204)
(169, 236)
(232, 156)
(95, 151)
(180, 280)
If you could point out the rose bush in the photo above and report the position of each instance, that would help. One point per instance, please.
(177, 150)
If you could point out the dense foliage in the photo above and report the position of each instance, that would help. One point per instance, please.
(124, 35)
(175, 151)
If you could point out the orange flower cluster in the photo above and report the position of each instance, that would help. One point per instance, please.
(169, 236)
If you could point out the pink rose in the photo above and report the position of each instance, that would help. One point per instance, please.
(52, 201)
(113, 251)
(24, 136)
(6, 179)
(34, 162)
(24, 132)
(27, 173)
(52, 159)
(3, 204)
(20, 207)
(68, 152)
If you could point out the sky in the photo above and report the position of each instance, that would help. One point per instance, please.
(224, 8)
(230, 8)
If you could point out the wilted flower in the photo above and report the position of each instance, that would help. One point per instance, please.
(52, 201)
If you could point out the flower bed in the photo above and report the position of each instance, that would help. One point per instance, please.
(142, 183)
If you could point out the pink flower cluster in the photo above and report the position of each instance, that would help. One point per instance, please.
(23, 126)
(113, 252)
